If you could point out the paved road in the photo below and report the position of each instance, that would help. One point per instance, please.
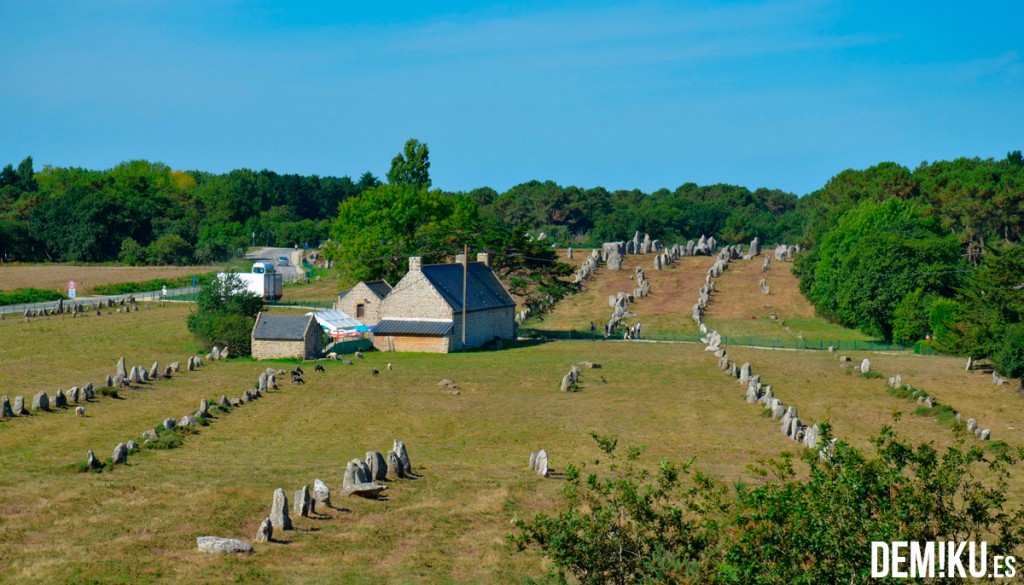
(290, 272)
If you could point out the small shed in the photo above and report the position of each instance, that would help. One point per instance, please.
(286, 336)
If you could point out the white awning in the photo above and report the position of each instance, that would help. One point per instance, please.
(334, 320)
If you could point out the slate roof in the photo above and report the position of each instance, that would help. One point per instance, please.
(281, 327)
(412, 327)
(379, 287)
(483, 289)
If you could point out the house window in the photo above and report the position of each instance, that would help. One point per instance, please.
(360, 311)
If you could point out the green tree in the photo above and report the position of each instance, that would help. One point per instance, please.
(169, 249)
(1010, 358)
(411, 166)
(875, 255)
(225, 313)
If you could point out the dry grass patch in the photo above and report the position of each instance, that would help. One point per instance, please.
(739, 308)
(56, 276)
(665, 311)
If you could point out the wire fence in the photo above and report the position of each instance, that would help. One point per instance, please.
(738, 340)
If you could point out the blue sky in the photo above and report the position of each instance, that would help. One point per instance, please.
(623, 95)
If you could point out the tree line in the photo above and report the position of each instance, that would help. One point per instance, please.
(925, 254)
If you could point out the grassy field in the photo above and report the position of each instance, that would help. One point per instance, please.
(664, 311)
(741, 309)
(56, 276)
(138, 523)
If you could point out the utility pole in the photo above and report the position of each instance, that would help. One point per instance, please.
(465, 272)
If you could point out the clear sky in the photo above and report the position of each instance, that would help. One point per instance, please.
(623, 95)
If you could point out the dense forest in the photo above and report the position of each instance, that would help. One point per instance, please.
(929, 254)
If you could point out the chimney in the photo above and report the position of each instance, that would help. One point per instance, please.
(483, 257)
(415, 263)
(460, 258)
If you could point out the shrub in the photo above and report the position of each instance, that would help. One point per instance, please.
(20, 296)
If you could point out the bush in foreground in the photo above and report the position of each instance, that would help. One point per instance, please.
(621, 524)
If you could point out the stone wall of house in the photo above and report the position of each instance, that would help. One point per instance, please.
(421, 343)
(268, 349)
(415, 298)
(361, 293)
(483, 326)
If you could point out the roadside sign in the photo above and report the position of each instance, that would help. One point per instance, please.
(193, 281)
(72, 289)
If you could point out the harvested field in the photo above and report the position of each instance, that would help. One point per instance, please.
(56, 276)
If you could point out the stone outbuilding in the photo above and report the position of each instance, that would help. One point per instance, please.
(286, 336)
(362, 302)
(423, 312)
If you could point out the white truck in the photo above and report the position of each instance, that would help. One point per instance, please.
(264, 281)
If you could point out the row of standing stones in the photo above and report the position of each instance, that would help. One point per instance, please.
(125, 305)
(756, 392)
(122, 378)
(139, 375)
(928, 401)
(360, 479)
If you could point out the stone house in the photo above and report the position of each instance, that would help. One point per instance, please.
(286, 336)
(423, 312)
(362, 301)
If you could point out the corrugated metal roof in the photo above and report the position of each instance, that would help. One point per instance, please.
(483, 289)
(281, 327)
(412, 327)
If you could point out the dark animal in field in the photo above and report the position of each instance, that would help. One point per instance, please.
(359, 354)
(375, 372)
(297, 379)
(299, 370)
(319, 368)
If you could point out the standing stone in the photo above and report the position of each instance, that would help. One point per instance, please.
(154, 371)
(224, 403)
(176, 367)
(169, 423)
(19, 406)
(41, 402)
(752, 394)
(118, 380)
(787, 419)
(378, 467)
(745, 373)
(224, 353)
(215, 353)
(7, 410)
(403, 456)
(302, 502)
(263, 382)
(204, 408)
(120, 367)
(321, 493)
(265, 531)
(395, 469)
(191, 364)
(132, 446)
(59, 400)
(985, 435)
(144, 374)
(541, 464)
(566, 383)
(90, 460)
(74, 394)
(778, 410)
(279, 511)
(865, 366)
(167, 372)
(972, 425)
(533, 460)
(110, 381)
(89, 392)
(120, 454)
